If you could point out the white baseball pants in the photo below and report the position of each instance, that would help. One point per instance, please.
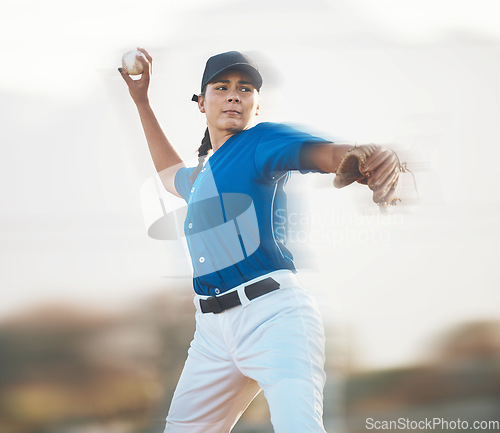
(274, 343)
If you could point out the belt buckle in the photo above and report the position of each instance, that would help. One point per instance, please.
(214, 305)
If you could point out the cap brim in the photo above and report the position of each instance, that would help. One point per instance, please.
(247, 69)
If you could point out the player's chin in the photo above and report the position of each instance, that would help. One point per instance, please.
(234, 125)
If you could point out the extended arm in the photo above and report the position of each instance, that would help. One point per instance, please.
(372, 165)
(324, 157)
(165, 158)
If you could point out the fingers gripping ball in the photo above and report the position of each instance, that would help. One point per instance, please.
(372, 165)
(131, 64)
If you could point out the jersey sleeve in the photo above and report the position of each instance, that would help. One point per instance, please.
(279, 149)
(182, 183)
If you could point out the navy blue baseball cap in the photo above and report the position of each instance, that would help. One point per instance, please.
(234, 61)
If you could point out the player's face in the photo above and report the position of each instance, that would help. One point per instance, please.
(230, 103)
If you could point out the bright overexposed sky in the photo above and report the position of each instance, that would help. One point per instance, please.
(421, 76)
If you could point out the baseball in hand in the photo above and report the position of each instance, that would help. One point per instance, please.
(131, 64)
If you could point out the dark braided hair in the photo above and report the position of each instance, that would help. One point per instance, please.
(206, 146)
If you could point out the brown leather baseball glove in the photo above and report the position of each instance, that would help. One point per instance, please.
(372, 165)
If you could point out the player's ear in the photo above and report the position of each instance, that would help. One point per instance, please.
(201, 103)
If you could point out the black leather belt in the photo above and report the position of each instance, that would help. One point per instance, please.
(217, 304)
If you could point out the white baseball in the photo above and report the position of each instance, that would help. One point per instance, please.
(131, 64)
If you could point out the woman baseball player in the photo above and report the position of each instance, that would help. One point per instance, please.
(256, 328)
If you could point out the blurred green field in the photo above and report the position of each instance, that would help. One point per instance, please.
(67, 370)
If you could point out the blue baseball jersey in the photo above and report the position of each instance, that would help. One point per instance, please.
(237, 206)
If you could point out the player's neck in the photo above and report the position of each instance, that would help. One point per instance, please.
(218, 137)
